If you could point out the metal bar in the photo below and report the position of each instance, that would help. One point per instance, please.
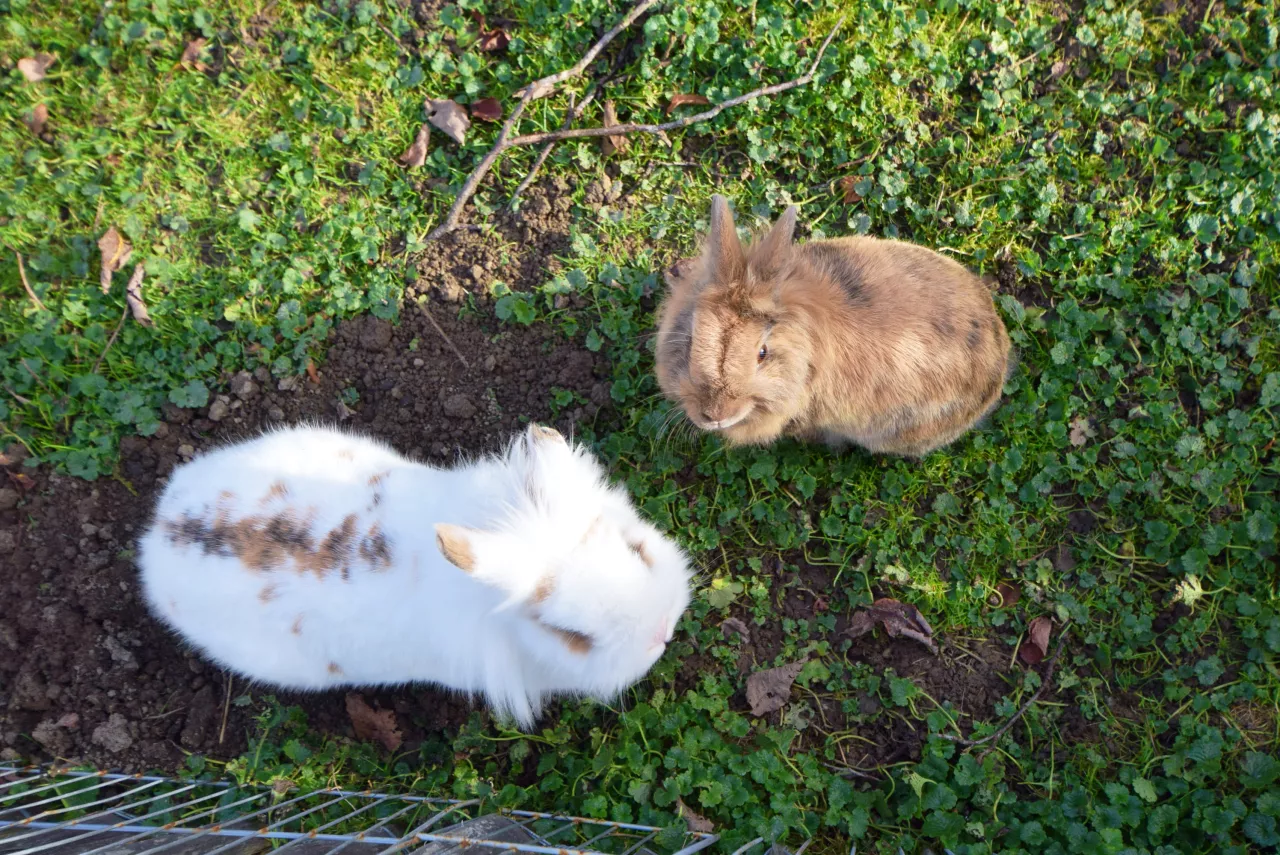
(145, 831)
(111, 798)
(12, 771)
(58, 797)
(742, 849)
(630, 826)
(699, 844)
(288, 819)
(80, 821)
(363, 838)
(642, 841)
(416, 835)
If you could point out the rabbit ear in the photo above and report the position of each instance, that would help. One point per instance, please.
(770, 256)
(723, 254)
(538, 434)
(457, 544)
(492, 559)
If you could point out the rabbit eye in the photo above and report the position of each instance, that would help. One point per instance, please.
(764, 352)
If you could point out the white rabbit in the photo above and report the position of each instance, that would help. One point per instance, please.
(309, 558)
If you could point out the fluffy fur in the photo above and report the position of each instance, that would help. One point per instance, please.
(310, 558)
(880, 343)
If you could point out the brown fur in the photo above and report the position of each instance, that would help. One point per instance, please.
(881, 343)
(575, 641)
(454, 543)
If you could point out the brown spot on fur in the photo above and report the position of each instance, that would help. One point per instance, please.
(267, 594)
(455, 546)
(974, 339)
(278, 490)
(638, 549)
(334, 669)
(842, 267)
(296, 629)
(542, 590)
(346, 454)
(943, 327)
(577, 642)
(375, 480)
(376, 549)
(591, 529)
(542, 433)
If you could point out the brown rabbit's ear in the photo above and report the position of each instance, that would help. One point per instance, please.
(770, 255)
(723, 254)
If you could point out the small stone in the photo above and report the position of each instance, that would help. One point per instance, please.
(113, 735)
(54, 739)
(375, 335)
(243, 387)
(287, 384)
(219, 409)
(162, 431)
(70, 721)
(477, 274)
(8, 498)
(7, 542)
(419, 362)
(490, 362)
(275, 414)
(186, 450)
(459, 407)
(88, 529)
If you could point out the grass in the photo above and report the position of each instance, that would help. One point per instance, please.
(1115, 164)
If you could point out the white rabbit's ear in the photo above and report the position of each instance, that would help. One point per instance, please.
(457, 544)
(538, 434)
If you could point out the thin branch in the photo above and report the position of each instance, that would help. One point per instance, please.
(22, 271)
(537, 89)
(546, 85)
(1013, 719)
(574, 111)
(112, 340)
(445, 336)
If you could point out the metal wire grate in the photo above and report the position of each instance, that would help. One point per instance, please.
(70, 812)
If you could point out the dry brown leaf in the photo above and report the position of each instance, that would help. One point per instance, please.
(684, 100)
(768, 691)
(696, 822)
(377, 726)
(847, 191)
(613, 144)
(1081, 431)
(23, 481)
(312, 374)
(487, 110)
(448, 116)
(494, 40)
(897, 618)
(1063, 560)
(133, 296)
(115, 252)
(1006, 595)
(36, 120)
(34, 67)
(416, 154)
(733, 624)
(1036, 643)
(191, 54)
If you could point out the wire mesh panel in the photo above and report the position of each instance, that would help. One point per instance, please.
(69, 812)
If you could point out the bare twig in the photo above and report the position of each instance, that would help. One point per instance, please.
(22, 271)
(226, 709)
(1013, 719)
(112, 340)
(573, 112)
(537, 89)
(546, 85)
(850, 772)
(445, 336)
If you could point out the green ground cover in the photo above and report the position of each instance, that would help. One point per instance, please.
(1113, 164)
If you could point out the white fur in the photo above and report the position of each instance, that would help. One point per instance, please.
(542, 510)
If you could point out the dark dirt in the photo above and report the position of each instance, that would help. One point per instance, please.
(85, 673)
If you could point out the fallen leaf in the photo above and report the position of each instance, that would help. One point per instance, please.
(312, 374)
(448, 116)
(1081, 431)
(416, 154)
(378, 726)
(487, 110)
(847, 192)
(695, 822)
(1188, 591)
(683, 100)
(1058, 69)
(733, 624)
(36, 119)
(34, 67)
(1063, 560)
(494, 40)
(283, 786)
(614, 143)
(22, 480)
(115, 252)
(768, 691)
(133, 296)
(191, 54)
(1006, 595)
(1036, 642)
(898, 619)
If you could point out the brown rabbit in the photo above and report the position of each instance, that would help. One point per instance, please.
(877, 342)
